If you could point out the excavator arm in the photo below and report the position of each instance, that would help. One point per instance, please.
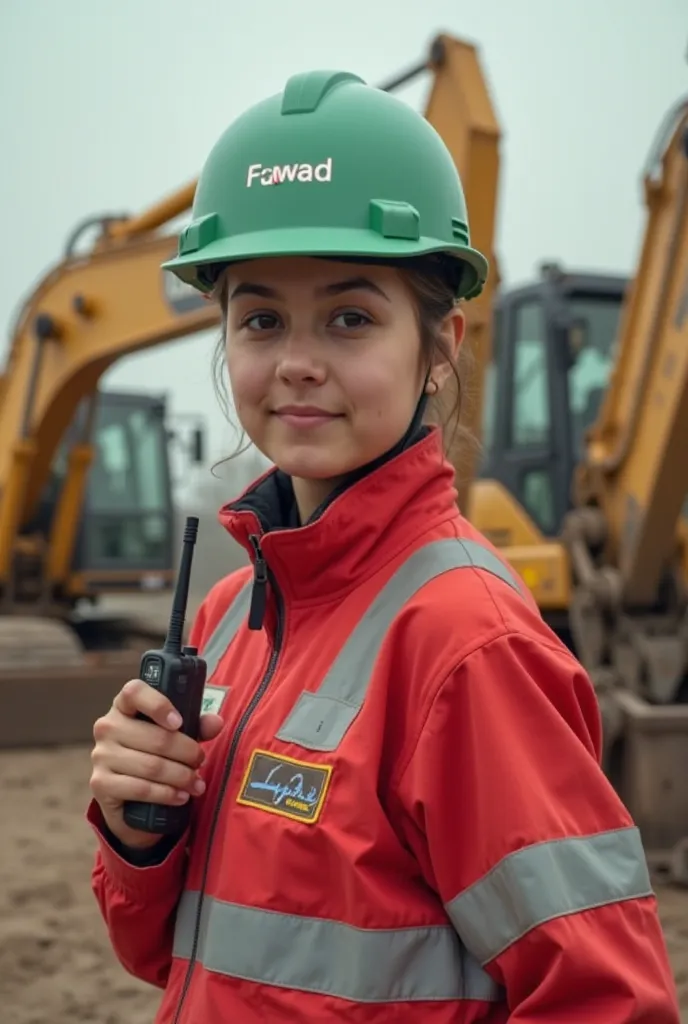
(461, 109)
(87, 313)
(585, 479)
(93, 309)
(626, 537)
(636, 469)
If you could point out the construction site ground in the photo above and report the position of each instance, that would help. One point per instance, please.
(56, 964)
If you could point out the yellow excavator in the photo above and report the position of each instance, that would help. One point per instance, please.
(584, 487)
(86, 506)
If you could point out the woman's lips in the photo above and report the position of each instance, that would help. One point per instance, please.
(305, 416)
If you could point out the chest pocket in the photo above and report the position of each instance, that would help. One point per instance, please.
(321, 718)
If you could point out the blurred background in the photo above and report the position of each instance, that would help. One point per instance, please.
(107, 109)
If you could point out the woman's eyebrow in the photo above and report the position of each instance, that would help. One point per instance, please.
(337, 288)
(249, 288)
(353, 284)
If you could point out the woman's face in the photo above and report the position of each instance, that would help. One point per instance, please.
(324, 361)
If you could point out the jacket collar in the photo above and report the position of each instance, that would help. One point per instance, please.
(355, 532)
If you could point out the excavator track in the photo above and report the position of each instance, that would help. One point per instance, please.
(51, 688)
(35, 642)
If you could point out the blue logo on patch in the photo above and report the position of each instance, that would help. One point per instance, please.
(282, 785)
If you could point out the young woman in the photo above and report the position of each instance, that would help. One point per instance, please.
(398, 812)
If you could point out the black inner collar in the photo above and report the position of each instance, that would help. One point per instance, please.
(273, 500)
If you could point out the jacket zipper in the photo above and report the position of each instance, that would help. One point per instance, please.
(259, 595)
(262, 575)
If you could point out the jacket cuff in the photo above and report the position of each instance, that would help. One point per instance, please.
(133, 869)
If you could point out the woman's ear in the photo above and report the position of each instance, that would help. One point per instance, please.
(450, 337)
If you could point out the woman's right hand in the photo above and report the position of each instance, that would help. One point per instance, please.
(148, 761)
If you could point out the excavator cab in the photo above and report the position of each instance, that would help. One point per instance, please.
(553, 353)
(127, 526)
(125, 540)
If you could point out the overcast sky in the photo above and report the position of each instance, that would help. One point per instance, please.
(111, 106)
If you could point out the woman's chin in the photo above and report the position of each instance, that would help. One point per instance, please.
(307, 463)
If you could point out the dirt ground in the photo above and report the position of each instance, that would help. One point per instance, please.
(56, 966)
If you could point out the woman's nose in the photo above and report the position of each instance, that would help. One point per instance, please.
(300, 362)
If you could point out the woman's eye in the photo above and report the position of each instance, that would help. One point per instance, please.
(351, 319)
(261, 322)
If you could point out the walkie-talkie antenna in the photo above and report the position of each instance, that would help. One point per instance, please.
(175, 629)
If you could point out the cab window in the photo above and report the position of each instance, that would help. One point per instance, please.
(531, 416)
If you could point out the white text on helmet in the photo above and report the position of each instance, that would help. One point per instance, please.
(289, 172)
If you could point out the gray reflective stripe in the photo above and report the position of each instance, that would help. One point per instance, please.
(319, 720)
(317, 955)
(545, 881)
(227, 628)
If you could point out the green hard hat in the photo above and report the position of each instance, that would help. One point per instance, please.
(330, 167)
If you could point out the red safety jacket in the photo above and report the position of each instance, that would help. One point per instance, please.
(405, 819)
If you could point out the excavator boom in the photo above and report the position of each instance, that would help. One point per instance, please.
(636, 469)
(584, 483)
(461, 109)
(85, 315)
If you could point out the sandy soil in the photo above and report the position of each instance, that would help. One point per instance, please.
(56, 966)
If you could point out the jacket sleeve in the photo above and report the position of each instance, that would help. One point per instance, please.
(137, 892)
(138, 903)
(536, 859)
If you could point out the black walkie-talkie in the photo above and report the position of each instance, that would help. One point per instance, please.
(180, 674)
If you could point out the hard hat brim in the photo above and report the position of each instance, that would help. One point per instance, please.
(316, 241)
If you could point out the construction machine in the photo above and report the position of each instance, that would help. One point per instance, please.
(125, 531)
(584, 487)
(85, 497)
(86, 505)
